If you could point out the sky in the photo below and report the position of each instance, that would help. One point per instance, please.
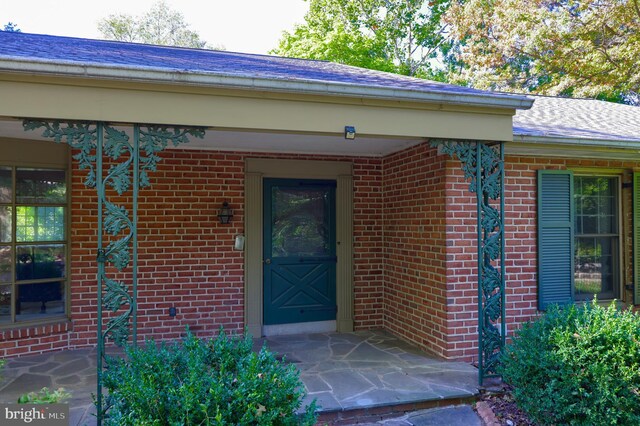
(250, 26)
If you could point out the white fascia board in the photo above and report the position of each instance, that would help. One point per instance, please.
(574, 141)
(553, 147)
(186, 77)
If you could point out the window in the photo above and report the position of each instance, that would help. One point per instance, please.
(596, 237)
(578, 237)
(33, 244)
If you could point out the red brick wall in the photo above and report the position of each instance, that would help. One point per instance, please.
(521, 241)
(415, 299)
(186, 258)
(414, 249)
(369, 261)
(461, 245)
(34, 339)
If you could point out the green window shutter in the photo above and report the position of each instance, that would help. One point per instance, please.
(636, 238)
(555, 237)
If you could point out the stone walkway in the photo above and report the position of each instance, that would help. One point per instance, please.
(75, 371)
(354, 377)
(367, 371)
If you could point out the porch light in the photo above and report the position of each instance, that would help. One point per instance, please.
(225, 214)
(349, 132)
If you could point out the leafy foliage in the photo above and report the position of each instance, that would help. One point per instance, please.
(44, 396)
(160, 25)
(80, 136)
(578, 366)
(400, 36)
(219, 381)
(581, 48)
(154, 138)
(11, 27)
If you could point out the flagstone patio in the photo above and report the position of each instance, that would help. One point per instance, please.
(352, 376)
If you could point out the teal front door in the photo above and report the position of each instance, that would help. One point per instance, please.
(299, 251)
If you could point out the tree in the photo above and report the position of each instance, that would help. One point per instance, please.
(160, 25)
(11, 27)
(557, 47)
(401, 36)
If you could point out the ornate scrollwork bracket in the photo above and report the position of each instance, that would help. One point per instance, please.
(483, 166)
(116, 163)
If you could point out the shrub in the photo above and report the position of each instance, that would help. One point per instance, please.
(220, 381)
(578, 366)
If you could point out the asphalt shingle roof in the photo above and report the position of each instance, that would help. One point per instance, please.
(84, 52)
(550, 117)
(567, 118)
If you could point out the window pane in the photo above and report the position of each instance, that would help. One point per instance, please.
(5, 303)
(36, 186)
(39, 224)
(606, 205)
(5, 224)
(589, 224)
(596, 205)
(300, 226)
(35, 301)
(6, 190)
(607, 224)
(38, 262)
(5, 264)
(596, 249)
(596, 268)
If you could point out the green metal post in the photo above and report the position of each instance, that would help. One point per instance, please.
(483, 165)
(480, 259)
(136, 189)
(101, 259)
(503, 270)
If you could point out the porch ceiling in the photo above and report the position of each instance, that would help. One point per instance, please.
(261, 141)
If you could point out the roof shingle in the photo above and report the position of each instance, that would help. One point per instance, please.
(570, 118)
(88, 52)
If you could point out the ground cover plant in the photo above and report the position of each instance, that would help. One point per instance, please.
(44, 396)
(199, 382)
(577, 366)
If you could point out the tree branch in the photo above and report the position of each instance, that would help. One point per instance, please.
(636, 7)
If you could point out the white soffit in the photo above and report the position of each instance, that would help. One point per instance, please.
(267, 142)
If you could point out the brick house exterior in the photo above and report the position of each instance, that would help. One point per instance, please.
(414, 250)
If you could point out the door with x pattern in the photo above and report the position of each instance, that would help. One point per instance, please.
(299, 251)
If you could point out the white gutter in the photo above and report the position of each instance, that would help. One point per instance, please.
(576, 141)
(221, 80)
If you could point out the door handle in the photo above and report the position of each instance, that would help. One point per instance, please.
(267, 261)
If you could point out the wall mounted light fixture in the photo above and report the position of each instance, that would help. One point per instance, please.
(349, 132)
(225, 214)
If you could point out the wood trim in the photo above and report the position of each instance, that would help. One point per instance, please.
(118, 105)
(256, 169)
(18, 152)
(344, 251)
(253, 256)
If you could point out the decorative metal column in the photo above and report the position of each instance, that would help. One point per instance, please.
(115, 165)
(483, 165)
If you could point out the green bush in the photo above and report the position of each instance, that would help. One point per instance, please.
(577, 366)
(44, 396)
(194, 382)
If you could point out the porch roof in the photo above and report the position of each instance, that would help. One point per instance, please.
(100, 59)
(254, 103)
